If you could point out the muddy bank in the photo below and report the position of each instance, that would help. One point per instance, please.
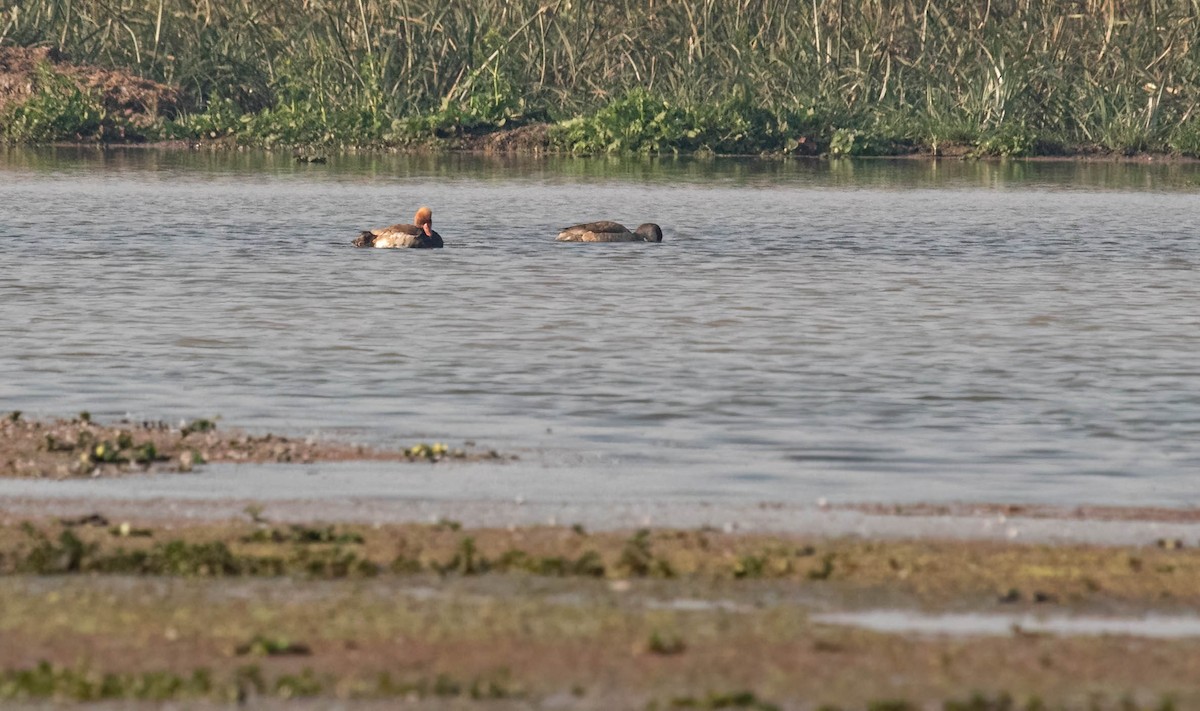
(928, 572)
(250, 609)
(526, 643)
(80, 447)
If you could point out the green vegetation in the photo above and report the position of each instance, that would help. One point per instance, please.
(93, 453)
(45, 681)
(314, 552)
(57, 109)
(200, 425)
(81, 684)
(93, 545)
(301, 534)
(638, 559)
(433, 452)
(665, 644)
(1008, 77)
(734, 700)
(265, 646)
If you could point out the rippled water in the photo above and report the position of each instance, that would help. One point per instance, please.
(876, 330)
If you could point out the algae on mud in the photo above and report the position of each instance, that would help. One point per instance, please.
(81, 447)
(930, 571)
(458, 625)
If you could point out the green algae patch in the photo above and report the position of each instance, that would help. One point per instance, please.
(46, 681)
(1010, 574)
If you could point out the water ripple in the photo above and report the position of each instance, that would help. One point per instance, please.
(801, 332)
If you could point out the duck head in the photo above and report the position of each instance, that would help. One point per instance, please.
(424, 219)
(649, 232)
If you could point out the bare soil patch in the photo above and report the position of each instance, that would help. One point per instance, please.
(531, 139)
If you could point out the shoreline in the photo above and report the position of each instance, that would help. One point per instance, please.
(318, 154)
(1106, 526)
(161, 588)
(144, 470)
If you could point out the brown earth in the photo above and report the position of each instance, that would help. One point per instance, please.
(531, 139)
(80, 447)
(139, 101)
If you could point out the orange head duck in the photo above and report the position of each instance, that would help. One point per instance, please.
(419, 234)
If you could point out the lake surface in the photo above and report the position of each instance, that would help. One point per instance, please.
(876, 330)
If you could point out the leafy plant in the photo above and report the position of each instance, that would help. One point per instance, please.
(58, 109)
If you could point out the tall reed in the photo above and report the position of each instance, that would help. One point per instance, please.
(1010, 75)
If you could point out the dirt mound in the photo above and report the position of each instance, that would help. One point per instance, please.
(140, 102)
(533, 138)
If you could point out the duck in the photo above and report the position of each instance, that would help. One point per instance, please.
(418, 235)
(607, 231)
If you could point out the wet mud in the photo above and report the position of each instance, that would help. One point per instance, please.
(255, 611)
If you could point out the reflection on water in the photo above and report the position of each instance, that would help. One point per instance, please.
(870, 330)
(848, 174)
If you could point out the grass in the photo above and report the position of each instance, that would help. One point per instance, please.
(853, 77)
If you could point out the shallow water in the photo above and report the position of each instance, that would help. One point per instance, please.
(872, 330)
(987, 624)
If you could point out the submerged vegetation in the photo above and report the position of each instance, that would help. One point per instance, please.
(1008, 77)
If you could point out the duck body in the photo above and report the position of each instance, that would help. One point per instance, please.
(399, 236)
(419, 235)
(608, 231)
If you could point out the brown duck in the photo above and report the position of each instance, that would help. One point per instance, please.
(606, 231)
(418, 235)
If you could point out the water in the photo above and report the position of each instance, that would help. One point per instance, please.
(869, 331)
(991, 624)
